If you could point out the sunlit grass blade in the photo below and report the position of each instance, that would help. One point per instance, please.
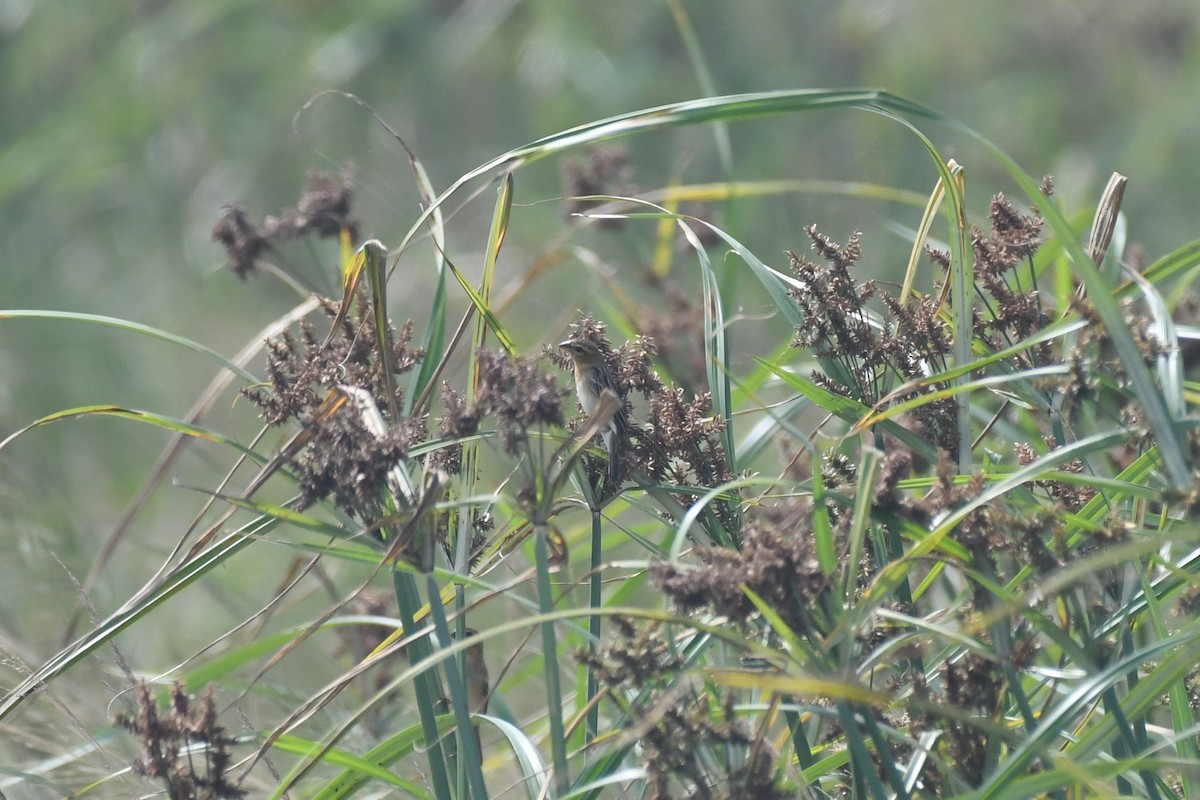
(718, 192)
(1013, 380)
(693, 112)
(716, 349)
(799, 650)
(376, 269)
(353, 764)
(481, 300)
(1184, 261)
(497, 234)
(382, 755)
(285, 514)
(479, 304)
(352, 273)
(700, 512)
(1168, 358)
(435, 331)
(922, 234)
(136, 415)
(132, 327)
(529, 760)
(796, 684)
(608, 775)
(1010, 382)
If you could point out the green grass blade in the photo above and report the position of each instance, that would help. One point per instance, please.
(352, 764)
(387, 752)
(595, 598)
(851, 410)
(823, 538)
(133, 611)
(716, 349)
(529, 760)
(1167, 433)
(132, 327)
(558, 739)
(425, 683)
(1056, 723)
(147, 417)
(470, 758)
(376, 269)
(692, 112)
(479, 303)
(962, 275)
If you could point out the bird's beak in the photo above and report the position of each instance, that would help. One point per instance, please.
(565, 345)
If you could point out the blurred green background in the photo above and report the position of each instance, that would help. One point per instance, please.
(124, 127)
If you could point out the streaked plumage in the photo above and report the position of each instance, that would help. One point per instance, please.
(592, 377)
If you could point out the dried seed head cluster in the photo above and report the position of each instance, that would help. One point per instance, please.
(519, 395)
(860, 356)
(352, 449)
(777, 562)
(676, 725)
(350, 463)
(1015, 310)
(456, 422)
(973, 683)
(1098, 372)
(636, 657)
(186, 749)
(833, 304)
(602, 170)
(522, 400)
(962, 746)
(686, 447)
(324, 209)
(1070, 497)
(345, 457)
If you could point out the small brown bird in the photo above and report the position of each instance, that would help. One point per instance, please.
(592, 377)
(478, 689)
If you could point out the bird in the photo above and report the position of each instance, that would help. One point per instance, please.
(478, 688)
(592, 377)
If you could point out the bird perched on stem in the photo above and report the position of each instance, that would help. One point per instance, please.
(592, 378)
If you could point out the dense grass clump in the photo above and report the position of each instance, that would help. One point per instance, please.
(875, 542)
